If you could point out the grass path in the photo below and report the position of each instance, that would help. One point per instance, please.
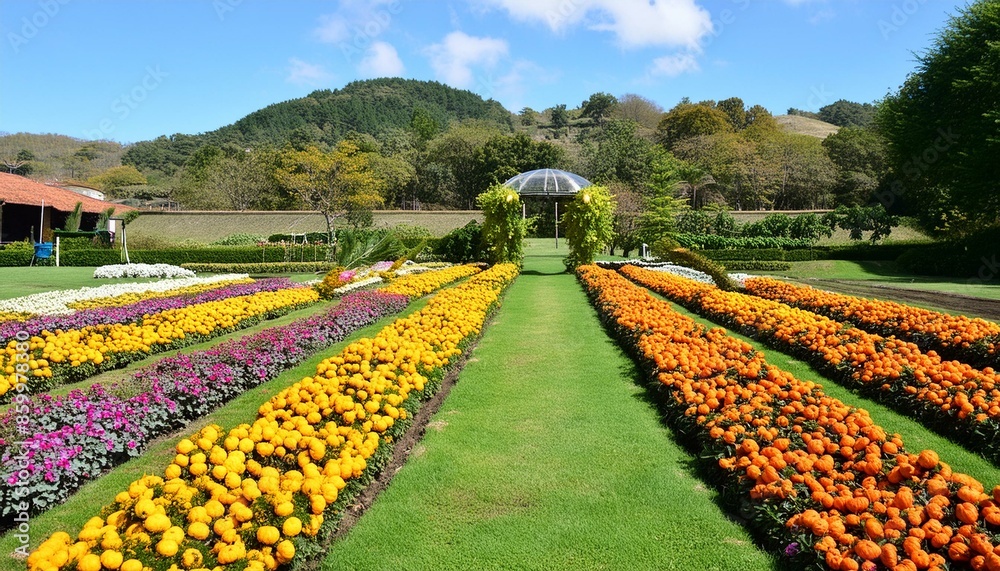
(547, 455)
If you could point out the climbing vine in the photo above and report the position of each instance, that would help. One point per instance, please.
(589, 227)
(504, 227)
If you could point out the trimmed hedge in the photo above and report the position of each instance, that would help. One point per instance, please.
(310, 237)
(258, 268)
(853, 252)
(756, 266)
(181, 256)
(716, 242)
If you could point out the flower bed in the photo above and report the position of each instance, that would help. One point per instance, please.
(974, 341)
(134, 297)
(119, 271)
(68, 356)
(814, 477)
(66, 441)
(103, 314)
(256, 496)
(414, 285)
(56, 302)
(948, 396)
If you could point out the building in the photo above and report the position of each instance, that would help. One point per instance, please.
(21, 211)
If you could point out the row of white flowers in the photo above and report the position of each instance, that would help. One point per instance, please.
(119, 271)
(682, 271)
(54, 302)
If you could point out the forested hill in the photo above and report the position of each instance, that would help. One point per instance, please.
(372, 106)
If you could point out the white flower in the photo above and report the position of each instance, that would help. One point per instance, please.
(118, 271)
(55, 302)
(357, 284)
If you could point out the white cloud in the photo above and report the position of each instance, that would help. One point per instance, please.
(822, 16)
(454, 58)
(304, 73)
(674, 65)
(635, 23)
(381, 60)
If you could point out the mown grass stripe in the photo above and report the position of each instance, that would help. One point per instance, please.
(547, 455)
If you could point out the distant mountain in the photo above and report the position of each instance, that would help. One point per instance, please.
(806, 126)
(371, 106)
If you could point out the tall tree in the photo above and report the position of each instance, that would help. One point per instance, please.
(943, 126)
(245, 179)
(333, 183)
(559, 117)
(861, 158)
(691, 120)
(638, 109)
(598, 107)
(619, 154)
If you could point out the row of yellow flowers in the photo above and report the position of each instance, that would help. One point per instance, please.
(82, 352)
(817, 477)
(134, 297)
(957, 394)
(420, 284)
(252, 497)
(968, 339)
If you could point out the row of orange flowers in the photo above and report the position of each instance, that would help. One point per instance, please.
(972, 340)
(252, 497)
(821, 479)
(947, 395)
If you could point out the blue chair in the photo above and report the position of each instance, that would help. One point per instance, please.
(43, 251)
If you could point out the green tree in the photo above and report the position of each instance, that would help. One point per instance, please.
(423, 125)
(504, 229)
(598, 107)
(333, 183)
(588, 220)
(638, 109)
(528, 116)
(505, 156)
(455, 153)
(690, 120)
(116, 178)
(74, 218)
(860, 219)
(843, 113)
(559, 117)
(246, 179)
(629, 205)
(862, 161)
(618, 155)
(943, 126)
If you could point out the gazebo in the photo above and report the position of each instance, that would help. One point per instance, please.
(548, 183)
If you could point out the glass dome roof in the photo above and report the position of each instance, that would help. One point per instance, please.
(547, 182)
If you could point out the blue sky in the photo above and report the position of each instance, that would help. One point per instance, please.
(130, 70)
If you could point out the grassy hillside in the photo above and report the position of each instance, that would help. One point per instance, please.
(806, 126)
(61, 157)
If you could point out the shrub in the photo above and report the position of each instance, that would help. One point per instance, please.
(16, 254)
(667, 249)
(757, 266)
(240, 239)
(260, 268)
(716, 242)
(588, 222)
(772, 225)
(462, 245)
(311, 237)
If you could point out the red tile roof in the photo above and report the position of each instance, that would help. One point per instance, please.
(16, 189)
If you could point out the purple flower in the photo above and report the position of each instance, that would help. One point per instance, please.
(792, 550)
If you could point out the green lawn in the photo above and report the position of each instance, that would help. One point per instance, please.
(547, 455)
(885, 273)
